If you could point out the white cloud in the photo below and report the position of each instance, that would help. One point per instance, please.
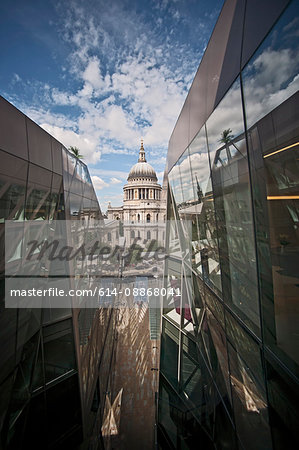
(116, 200)
(98, 182)
(127, 82)
(87, 146)
(16, 78)
(161, 160)
(109, 173)
(63, 98)
(114, 180)
(116, 123)
(92, 75)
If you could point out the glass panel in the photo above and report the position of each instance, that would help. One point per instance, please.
(271, 76)
(67, 417)
(215, 306)
(75, 205)
(172, 304)
(66, 177)
(55, 198)
(77, 180)
(245, 346)
(205, 257)
(224, 431)
(250, 408)
(198, 293)
(35, 431)
(175, 184)
(184, 212)
(167, 412)
(271, 84)
(186, 187)
(196, 385)
(59, 354)
(214, 346)
(12, 187)
(38, 201)
(5, 394)
(189, 319)
(85, 320)
(21, 388)
(169, 352)
(8, 334)
(173, 243)
(38, 372)
(283, 395)
(231, 186)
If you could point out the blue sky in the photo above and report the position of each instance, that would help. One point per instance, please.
(101, 76)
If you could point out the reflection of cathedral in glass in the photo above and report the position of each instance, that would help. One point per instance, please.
(143, 198)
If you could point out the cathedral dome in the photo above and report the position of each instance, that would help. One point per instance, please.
(142, 169)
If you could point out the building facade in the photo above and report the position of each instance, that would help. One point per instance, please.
(55, 364)
(229, 364)
(143, 199)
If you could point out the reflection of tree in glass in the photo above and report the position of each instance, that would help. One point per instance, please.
(226, 136)
(76, 152)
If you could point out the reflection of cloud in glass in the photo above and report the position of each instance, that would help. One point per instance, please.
(175, 183)
(185, 184)
(200, 168)
(180, 178)
(199, 161)
(199, 143)
(185, 175)
(270, 79)
(227, 115)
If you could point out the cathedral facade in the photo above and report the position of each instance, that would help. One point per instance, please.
(144, 200)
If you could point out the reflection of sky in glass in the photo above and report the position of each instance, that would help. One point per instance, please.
(175, 183)
(72, 162)
(81, 170)
(199, 161)
(272, 76)
(185, 175)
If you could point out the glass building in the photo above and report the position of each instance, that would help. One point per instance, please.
(55, 362)
(230, 343)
